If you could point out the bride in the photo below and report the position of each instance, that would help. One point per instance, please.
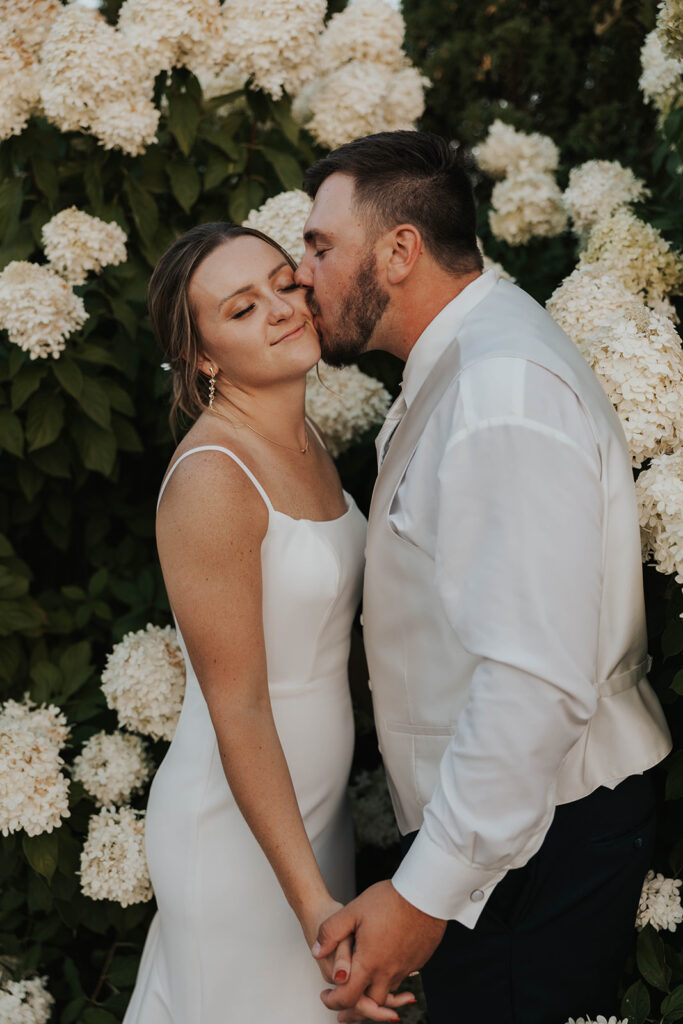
(249, 840)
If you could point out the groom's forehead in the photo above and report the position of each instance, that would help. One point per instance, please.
(333, 209)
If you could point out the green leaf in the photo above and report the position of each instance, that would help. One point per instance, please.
(93, 401)
(217, 170)
(127, 437)
(22, 616)
(677, 683)
(44, 421)
(222, 137)
(183, 119)
(125, 316)
(672, 1006)
(46, 679)
(92, 179)
(282, 112)
(651, 959)
(96, 446)
(636, 1003)
(54, 459)
(75, 658)
(672, 638)
(42, 853)
(45, 174)
(96, 1015)
(26, 381)
(244, 198)
(11, 434)
(6, 549)
(30, 480)
(69, 375)
(285, 166)
(143, 208)
(674, 776)
(11, 199)
(185, 183)
(119, 399)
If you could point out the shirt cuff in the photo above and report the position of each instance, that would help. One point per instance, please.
(439, 884)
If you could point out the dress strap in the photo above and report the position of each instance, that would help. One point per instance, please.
(226, 451)
(315, 430)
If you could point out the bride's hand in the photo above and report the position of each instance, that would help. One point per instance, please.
(336, 968)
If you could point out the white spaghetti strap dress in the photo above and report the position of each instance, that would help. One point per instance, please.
(224, 946)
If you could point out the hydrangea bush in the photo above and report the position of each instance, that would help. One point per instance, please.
(120, 129)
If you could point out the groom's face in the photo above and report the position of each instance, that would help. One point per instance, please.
(339, 272)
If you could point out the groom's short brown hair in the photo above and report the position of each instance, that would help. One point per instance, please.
(407, 177)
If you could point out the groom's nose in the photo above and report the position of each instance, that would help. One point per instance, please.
(302, 274)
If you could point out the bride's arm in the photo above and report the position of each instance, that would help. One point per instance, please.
(210, 527)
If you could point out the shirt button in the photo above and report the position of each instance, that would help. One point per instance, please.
(477, 896)
(638, 842)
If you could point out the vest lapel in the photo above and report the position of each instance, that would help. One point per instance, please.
(407, 435)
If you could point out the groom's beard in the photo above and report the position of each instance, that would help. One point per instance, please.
(360, 311)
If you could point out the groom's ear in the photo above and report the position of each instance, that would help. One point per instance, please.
(404, 245)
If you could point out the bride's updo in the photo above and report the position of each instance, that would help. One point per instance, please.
(174, 321)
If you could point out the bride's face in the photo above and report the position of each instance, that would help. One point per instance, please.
(252, 316)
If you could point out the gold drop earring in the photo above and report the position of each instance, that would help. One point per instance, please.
(212, 386)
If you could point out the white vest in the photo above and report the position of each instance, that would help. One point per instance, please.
(420, 673)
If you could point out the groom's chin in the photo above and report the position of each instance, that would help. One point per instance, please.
(338, 355)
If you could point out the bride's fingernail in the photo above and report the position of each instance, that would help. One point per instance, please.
(315, 948)
(340, 976)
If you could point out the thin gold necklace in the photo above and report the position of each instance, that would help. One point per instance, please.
(302, 451)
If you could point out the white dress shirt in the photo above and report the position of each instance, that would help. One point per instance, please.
(504, 493)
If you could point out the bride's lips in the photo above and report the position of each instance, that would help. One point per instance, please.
(291, 334)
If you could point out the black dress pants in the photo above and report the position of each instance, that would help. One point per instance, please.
(553, 938)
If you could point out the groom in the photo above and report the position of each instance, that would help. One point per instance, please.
(503, 610)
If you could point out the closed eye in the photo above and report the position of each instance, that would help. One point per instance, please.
(319, 253)
(290, 287)
(236, 316)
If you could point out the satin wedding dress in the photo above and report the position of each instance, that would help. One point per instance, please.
(224, 946)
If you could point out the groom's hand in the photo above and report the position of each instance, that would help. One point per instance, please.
(392, 938)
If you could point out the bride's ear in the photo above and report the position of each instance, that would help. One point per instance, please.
(406, 246)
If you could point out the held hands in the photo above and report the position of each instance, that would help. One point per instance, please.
(335, 967)
(392, 938)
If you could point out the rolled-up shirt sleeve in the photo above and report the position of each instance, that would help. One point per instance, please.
(518, 569)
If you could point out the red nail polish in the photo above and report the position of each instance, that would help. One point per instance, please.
(340, 976)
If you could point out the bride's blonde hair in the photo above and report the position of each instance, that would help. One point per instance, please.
(173, 319)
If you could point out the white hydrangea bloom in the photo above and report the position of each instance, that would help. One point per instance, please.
(505, 150)
(144, 681)
(345, 403)
(172, 33)
(113, 862)
(661, 76)
(283, 217)
(587, 299)
(31, 19)
(596, 188)
(373, 814)
(660, 498)
(94, 78)
(34, 793)
(75, 243)
(404, 102)
(25, 1002)
(490, 264)
(19, 84)
(598, 1020)
(275, 42)
(220, 81)
(638, 359)
(670, 25)
(525, 205)
(636, 253)
(38, 309)
(365, 30)
(660, 903)
(112, 766)
(363, 97)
